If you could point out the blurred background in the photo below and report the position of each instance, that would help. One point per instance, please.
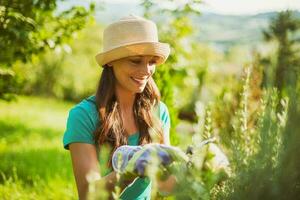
(233, 74)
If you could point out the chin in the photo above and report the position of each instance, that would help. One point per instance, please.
(140, 90)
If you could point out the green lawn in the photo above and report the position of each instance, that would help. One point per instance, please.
(33, 163)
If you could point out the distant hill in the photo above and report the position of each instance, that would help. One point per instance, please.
(226, 29)
(217, 29)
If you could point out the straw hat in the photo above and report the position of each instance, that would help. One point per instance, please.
(131, 36)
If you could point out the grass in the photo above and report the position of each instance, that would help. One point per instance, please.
(34, 164)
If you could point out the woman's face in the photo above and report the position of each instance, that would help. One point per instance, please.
(132, 73)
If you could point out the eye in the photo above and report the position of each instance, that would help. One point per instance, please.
(135, 61)
(153, 62)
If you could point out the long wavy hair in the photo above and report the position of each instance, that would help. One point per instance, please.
(110, 131)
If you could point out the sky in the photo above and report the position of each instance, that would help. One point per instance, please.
(237, 7)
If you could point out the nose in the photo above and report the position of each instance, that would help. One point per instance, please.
(147, 69)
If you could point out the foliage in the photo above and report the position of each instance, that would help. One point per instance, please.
(169, 76)
(29, 28)
(253, 118)
(259, 166)
(283, 30)
(71, 75)
(7, 84)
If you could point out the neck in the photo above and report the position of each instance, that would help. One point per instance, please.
(125, 99)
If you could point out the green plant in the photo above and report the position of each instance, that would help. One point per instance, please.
(170, 75)
(30, 28)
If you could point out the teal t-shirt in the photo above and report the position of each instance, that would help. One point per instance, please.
(83, 120)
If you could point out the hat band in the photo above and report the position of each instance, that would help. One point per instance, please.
(162, 50)
(106, 49)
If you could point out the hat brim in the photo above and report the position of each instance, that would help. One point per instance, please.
(162, 50)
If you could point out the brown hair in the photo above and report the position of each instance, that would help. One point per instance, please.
(110, 130)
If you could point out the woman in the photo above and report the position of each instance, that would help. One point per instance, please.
(125, 106)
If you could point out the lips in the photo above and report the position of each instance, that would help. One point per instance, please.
(139, 80)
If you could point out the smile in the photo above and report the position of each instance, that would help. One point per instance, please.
(139, 81)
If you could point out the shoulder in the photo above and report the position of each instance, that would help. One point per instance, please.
(87, 105)
(163, 111)
(162, 106)
(166, 121)
(85, 109)
(81, 123)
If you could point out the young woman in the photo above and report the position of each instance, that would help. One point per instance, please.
(124, 108)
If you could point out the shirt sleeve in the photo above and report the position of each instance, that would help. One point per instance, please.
(166, 122)
(79, 127)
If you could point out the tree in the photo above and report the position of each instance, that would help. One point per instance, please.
(283, 29)
(175, 31)
(29, 27)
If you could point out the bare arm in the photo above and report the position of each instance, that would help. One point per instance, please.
(84, 160)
